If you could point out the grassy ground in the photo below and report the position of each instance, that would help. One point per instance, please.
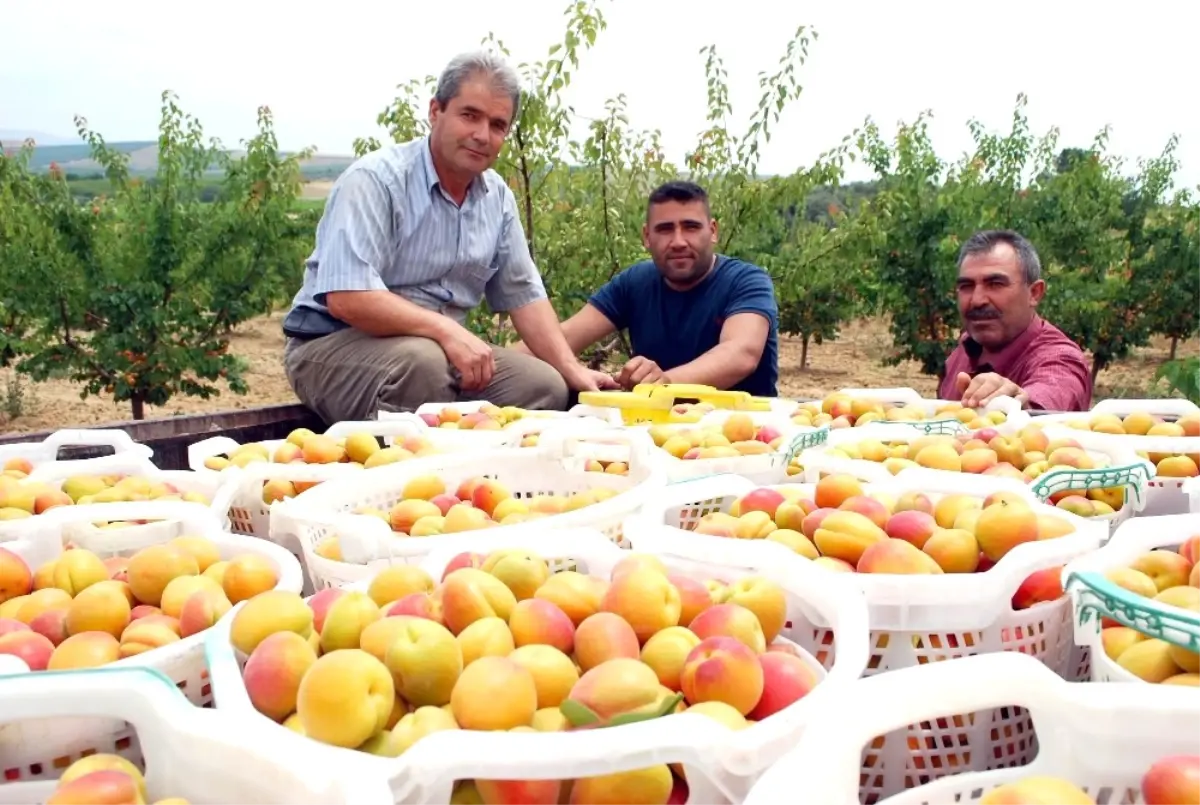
(853, 361)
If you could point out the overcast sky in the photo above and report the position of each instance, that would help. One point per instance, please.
(327, 69)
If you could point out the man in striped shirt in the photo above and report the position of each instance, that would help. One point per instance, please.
(1007, 348)
(412, 238)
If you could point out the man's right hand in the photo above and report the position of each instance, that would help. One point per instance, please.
(471, 356)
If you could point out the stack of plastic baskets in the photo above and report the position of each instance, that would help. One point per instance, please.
(199, 755)
(182, 661)
(1101, 737)
(1098, 600)
(923, 619)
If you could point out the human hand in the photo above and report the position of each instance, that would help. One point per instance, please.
(640, 369)
(982, 389)
(582, 378)
(471, 356)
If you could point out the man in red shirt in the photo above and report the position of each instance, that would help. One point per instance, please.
(1007, 348)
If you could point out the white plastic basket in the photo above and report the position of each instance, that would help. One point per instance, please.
(720, 765)
(1095, 598)
(1015, 416)
(46, 451)
(1102, 737)
(1117, 466)
(921, 619)
(1164, 494)
(556, 466)
(250, 514)
(182, 661)
(766, 468)
(218, 491)
(200, 755)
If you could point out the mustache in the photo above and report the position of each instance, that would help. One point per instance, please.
(983, 314)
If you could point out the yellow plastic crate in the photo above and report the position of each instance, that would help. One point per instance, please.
(651, 403)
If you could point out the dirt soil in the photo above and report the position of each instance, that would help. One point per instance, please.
(853, 361)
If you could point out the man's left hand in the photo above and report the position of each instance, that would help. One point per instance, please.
(982, 389)
(640, 370)
(581, 378)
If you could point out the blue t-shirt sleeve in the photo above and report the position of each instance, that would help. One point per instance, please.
(612, 299)
(752, 292)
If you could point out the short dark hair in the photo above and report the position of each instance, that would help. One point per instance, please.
(678, 191)
(984, 241)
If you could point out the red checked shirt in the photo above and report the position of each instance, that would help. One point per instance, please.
(1047, 365)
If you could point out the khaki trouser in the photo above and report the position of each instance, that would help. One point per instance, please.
(349, 375)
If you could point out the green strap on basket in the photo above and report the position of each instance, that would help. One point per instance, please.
(1133, 476)
(1096, 596)
(927, 427)
(799, 443)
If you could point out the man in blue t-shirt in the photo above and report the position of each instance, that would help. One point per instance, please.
(693, 316)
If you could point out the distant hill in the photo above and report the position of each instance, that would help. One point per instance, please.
(14, 137)
(75, 159)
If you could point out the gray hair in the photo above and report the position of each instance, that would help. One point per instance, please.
(983, 242)
(480, 62)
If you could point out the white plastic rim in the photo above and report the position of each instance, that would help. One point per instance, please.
(729, 760)
(46, 451)
(1093, 730)
(1015, 416)
(181, 744)
(933, 603)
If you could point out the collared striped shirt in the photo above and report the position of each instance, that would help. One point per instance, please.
(389, 225)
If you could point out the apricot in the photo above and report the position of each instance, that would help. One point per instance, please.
(142, 636)
(1050, 526)
(416, 725)
(248, 575)
(911, 525)
(731, 620)
(1149, 660)
(652, 784)
(539, 621)
(177, 592)
(1135, 581)
(103, 786)
(151, 569)
(617, 687)
(31, 647)
(345, 697)
(786, 680)
(273, 673)
(895, 556)
(202, 610)
(346, 619)
(954, 549)
(762, 597)
(486, 637)
(845, 535)
(1114, 640)
(694, 597)
(1003, 526)
(554, 675)
(723, 669)
(204, 551)
(76, 570)
(519, 792)
(85, 650)
(868, 507)
(397, 581)
(1165, 568)
(104, 762)
(1037, 789)
(469, 594)
(425, 662)
(645, 599)
(99, 608)
(52, 624)
(270, 612)
(576, 594)
(494, 693)
(604, 636)
(665, 653)
(406, 513)
(832, 490)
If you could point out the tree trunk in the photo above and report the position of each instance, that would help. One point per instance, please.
(804, 351)
(1097, 365)
(1174, 345)
(138, 403)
